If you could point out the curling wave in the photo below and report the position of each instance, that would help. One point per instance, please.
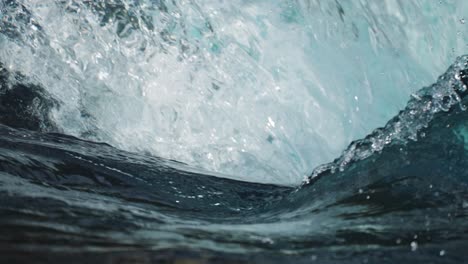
(405, 198)
(152, 131)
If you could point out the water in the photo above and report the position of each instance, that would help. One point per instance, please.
(216, 117)
(259, 91)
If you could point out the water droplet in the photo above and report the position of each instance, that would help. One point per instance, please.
(267, 240)
(414, 246)
(271, 122)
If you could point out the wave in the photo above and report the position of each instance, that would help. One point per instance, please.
(399, 193)
(258, 91)
(449, 90)
(88, 175)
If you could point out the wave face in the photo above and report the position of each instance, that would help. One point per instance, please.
(209, 112)
(256, 90)
(64, 198)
